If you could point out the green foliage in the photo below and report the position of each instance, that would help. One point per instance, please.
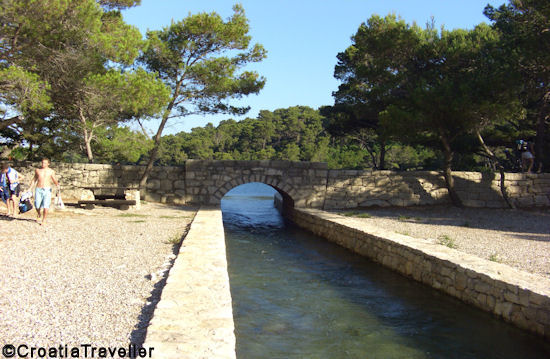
(524, 28)
(447, 241)
(22, 89)
(201, 59)
(405, 157)
(119, 4)
(294, 134)
(346, 156)
(371, 72)
(121, 145)
(57, 59)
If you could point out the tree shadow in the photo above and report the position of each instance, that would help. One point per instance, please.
(522, 222)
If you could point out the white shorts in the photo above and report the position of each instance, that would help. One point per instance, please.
(527, 155)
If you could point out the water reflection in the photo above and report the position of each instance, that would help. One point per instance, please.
(296, 295)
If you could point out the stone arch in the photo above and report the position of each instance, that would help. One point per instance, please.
(286, 190)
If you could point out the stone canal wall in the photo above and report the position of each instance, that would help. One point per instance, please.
(518, 297)
(194, 317)
(304, 184)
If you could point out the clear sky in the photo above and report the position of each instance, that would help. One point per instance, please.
(302, 38)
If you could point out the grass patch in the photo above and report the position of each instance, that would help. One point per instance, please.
(349, 214)
(139, 221)
(356, 214)
(130, 215)
(494, 258)
(176, 239)
(403, 218)
(404, 233)
(466, 224)
(447, 241)
(417, 218)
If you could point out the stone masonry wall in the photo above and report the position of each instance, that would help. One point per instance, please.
(517, 297)
(165, 184)
(305, 184)
(352, 189)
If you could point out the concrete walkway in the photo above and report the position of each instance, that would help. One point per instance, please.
(194, 318)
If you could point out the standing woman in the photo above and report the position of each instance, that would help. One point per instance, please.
(9, 180)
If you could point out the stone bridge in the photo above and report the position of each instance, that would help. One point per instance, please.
(301, 184)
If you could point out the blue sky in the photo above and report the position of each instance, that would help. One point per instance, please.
(302, 38)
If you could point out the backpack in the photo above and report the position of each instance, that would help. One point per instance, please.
(523, 146)
(25, 205)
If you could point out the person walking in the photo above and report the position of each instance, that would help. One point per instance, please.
(526, 149)
(10, 187)
(43, 179)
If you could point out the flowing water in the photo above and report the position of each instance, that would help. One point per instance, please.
(296, 295)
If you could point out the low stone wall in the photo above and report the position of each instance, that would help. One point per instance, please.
(304, 184)
(194, 317)
(166, 184)
(352, 189)
(518, 297)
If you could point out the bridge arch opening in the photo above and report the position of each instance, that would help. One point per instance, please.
(282, 198)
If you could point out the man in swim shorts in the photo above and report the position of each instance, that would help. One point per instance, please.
(43, 179)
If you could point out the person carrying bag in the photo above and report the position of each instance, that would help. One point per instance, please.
(58, 202)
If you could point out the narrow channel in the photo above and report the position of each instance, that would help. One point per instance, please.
(296, 295)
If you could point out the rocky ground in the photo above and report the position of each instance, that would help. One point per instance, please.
(519, 238)
(87, 276)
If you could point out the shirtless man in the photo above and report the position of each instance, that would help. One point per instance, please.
(43, 178)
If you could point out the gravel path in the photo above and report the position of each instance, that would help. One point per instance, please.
(518, 238)
(86, 276)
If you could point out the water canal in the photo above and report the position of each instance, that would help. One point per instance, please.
(296, 295)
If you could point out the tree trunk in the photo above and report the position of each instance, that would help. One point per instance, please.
(448, 174)
(154, 152)
(382, 161)
(88, 143)
(87, 137)
(541, 132)
(495, 160)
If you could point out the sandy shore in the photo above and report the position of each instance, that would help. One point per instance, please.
(88, 276)
(519, 238)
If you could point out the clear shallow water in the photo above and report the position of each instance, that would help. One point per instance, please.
(296, 295)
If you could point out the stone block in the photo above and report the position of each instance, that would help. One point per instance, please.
(86, 195)
(504, 309)
(374, 202)
(179, 184)
(461, 281)
(153, 184)
(541, 200)
(397, 202)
